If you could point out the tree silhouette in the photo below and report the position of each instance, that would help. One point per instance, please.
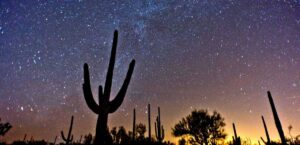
(201, 127)
(4, 128)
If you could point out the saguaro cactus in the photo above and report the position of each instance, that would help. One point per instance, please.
(105, 106)
(236, 138)
(149, 122)
(69, 138)
(266, 131)
(159, 129)
(276, 119)
(133, 126)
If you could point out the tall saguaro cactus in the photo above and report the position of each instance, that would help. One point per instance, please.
(266, 131)
(276, 119)
(69, 138)
(105, 106)
(159, 129)
(149, 122)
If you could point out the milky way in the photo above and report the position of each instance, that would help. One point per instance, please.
(201, 54)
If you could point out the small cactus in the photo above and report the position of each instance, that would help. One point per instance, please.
(69, 138)
(149, 122)
(236, 138)
(159, 129)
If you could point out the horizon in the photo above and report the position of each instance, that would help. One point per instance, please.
(215, 55)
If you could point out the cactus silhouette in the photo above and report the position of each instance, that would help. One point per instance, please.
(159, 129)
(133, 126)
(105, 106)
(69, 138)
(149, 122)
(276, 119)
(266, 131)
(236, 138)
(4, 128)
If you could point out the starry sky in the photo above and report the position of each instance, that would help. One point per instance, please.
(219, 55)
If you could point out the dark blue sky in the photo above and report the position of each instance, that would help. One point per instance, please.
(201, 54)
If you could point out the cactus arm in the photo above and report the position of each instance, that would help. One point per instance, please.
(117, 101)
(110, 70)
(100, 94)
(87, 91)
(266, 129)
(63, 136)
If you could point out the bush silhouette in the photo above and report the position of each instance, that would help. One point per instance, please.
(4, 128)
(201, 127)
(88, 139)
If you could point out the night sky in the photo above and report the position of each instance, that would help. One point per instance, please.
(200, 54)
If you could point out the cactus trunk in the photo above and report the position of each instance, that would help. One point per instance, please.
(266, 131)
(101, 129)
(105, 106)
(133, 126)
(159, 129)
(276, 119)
